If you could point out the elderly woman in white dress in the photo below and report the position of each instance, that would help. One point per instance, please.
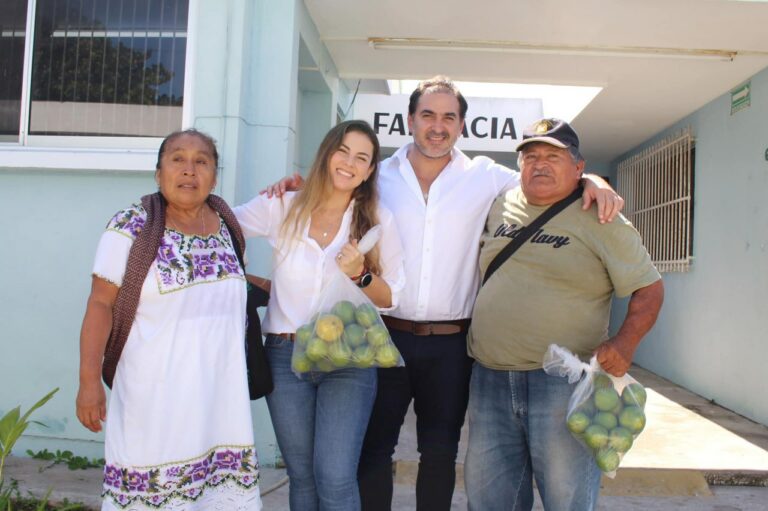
(164, 326)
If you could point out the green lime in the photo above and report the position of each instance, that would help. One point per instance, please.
(577, 422)
(606, 399)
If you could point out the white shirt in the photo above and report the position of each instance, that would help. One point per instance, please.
(300, 267)
(441, 237)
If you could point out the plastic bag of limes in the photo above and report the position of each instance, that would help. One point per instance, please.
(605, 413)
(346, 330)
(345, 335)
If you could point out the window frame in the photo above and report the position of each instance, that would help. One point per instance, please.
(665, 219)
(68, 152)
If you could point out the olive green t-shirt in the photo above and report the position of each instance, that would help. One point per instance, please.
(557, 287)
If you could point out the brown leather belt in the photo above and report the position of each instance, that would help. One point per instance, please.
(448, 327)
(290, 337)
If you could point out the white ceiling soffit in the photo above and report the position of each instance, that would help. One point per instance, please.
(656, 60)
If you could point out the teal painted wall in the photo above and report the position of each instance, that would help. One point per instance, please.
(245, 56)
(52, 222)
(711, 334)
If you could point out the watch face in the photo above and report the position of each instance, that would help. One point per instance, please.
(365, 280)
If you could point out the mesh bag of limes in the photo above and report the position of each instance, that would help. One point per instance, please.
(346, 330)
(605, 413)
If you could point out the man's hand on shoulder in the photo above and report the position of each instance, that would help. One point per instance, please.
(609, 203)
(291, 183)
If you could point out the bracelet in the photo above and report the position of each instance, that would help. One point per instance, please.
(358, 277)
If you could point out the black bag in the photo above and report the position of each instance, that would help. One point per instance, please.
(259, 375)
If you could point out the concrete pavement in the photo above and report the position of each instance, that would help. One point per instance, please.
(693, 455)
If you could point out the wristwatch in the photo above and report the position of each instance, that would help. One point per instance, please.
(365, 279)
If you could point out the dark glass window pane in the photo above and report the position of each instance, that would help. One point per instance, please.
(13, 27)
(108, 67)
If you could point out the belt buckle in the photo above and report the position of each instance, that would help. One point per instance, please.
(422, 328)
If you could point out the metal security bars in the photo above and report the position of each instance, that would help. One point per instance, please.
(13, 25)
(108, 67)
(657, 184)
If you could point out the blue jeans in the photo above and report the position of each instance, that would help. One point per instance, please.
(517, 432)
(319, 421)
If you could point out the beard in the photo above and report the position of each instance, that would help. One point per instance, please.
(433, 152)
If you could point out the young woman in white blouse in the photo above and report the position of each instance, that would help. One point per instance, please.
(320, 417)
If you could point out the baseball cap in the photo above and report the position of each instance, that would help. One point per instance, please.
(554, 132)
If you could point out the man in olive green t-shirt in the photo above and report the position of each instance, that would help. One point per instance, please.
(556, 288)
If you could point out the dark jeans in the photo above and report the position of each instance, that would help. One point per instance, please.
(436, 376)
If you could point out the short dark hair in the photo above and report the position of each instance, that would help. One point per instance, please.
(206, 138)
(437, 83)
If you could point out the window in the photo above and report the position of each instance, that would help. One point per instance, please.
(657, 184)
(97, 68)
(13, 27)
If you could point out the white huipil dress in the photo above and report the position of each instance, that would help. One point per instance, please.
(178, 432)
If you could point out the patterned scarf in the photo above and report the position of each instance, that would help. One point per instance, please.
(141, 256)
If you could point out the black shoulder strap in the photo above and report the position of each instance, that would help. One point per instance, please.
(529, 231)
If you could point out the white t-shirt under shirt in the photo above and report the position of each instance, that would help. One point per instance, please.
(441, 237)
(300, 266)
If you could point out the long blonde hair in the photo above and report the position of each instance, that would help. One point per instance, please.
(318, 183)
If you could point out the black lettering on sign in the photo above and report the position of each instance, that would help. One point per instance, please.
(477, 127)
(475, 132)
(509, 129)
(377, 121)
(397, 125)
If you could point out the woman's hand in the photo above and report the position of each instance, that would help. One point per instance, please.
(91, 405)
(350, 260)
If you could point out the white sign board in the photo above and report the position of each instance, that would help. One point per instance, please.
(492, 124)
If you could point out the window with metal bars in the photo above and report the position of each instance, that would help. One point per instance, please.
(657, 185)
(95, 67)
(13, 29)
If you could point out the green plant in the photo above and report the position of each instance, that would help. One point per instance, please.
(12, 500)
(13, 424)
(66, 457)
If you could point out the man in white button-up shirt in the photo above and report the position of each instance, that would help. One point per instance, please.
(440, 199)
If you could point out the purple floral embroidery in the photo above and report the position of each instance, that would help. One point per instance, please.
(129, 221)
(198, 471)
(112, 476)
(185, 260)
(156, 499)
(165, 253)
(156, 487)
(136, 481)
(227, 460)
(204, 266)
(230, 263)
